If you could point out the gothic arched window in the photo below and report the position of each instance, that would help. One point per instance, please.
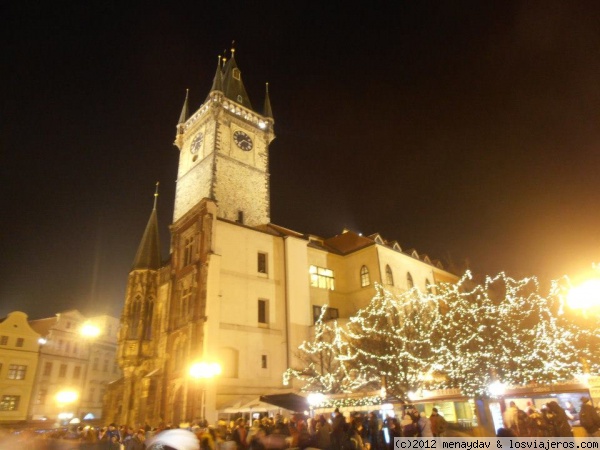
(409, 281)
(389, 276)
(134, 317)
(148, 320)
(365, 280)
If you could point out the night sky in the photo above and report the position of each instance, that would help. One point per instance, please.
(469, 131)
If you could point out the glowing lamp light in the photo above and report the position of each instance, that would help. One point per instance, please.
(42, 341)
(586, 295)
(66, 397)
(315, 399)
(497, 388)
(205, 370)
(89, 330)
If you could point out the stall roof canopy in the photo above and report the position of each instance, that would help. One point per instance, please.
(289, 401)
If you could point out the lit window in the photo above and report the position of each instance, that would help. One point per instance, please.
(41, 396)
(20, 342)
(262, 263)
(188, 250)
(16, 372)
(262, 311)
(389, 276)
(330, 314)
(365, 280)
(409, 281)
(263, 362)
(62, 371)
(321, 278)
(10, 402)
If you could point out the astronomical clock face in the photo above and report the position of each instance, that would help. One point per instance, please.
(242, 140)
(197, 143)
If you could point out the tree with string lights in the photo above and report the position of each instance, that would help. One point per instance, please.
(323, 364)
(461, 335)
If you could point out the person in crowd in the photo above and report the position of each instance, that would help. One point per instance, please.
(338, 429)
(239, 434)
(373, 431)
(136, 441)
(438, 423)
(558, 422)
(589, 418)
(323, 433)
(355, 439)
(538, 426)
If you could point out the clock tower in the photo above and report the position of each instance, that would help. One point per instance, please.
(224, 151)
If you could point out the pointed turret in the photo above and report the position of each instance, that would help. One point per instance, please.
(233, 87)
(148, 254)
(267, 112)
(218, 79)
(185, 111)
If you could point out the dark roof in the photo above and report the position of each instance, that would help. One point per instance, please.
(348, 242)
(289, 401)
(233, 87)
(42, 326)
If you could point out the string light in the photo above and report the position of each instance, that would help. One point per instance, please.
(463, 336)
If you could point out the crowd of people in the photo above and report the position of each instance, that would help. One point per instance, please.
(335, 432)
(551, 420)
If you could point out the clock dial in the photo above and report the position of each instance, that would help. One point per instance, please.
(242, 140)
(197, 143)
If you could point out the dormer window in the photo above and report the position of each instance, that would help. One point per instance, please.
(239, 99)
(236, 74)
(240, 217)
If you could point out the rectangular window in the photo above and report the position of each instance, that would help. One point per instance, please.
(47, 369)
(263, 361)
(76, 372)
(41, 396)
(263, 311)
(262, 263)
(68, 347)
(75, 349)
(95, 364)
(92, 394)
(188, 251)
(115, 367)
(105, 366)
(62, 372)
(16, 372)
(3, 340)
(20, 342)
(330, 314)
(321, 278)
(10, 402)
(240, 218)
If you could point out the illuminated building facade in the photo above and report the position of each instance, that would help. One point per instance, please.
(18, 365)
(235, 289)
(77, 360)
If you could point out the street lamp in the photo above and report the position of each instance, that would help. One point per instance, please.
(203, 371)
(63, 399)
(586, 295)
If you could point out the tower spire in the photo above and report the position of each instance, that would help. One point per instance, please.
(148, 253)
(155, 196)
(185, 111)
(267, 111)
(218, 79)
